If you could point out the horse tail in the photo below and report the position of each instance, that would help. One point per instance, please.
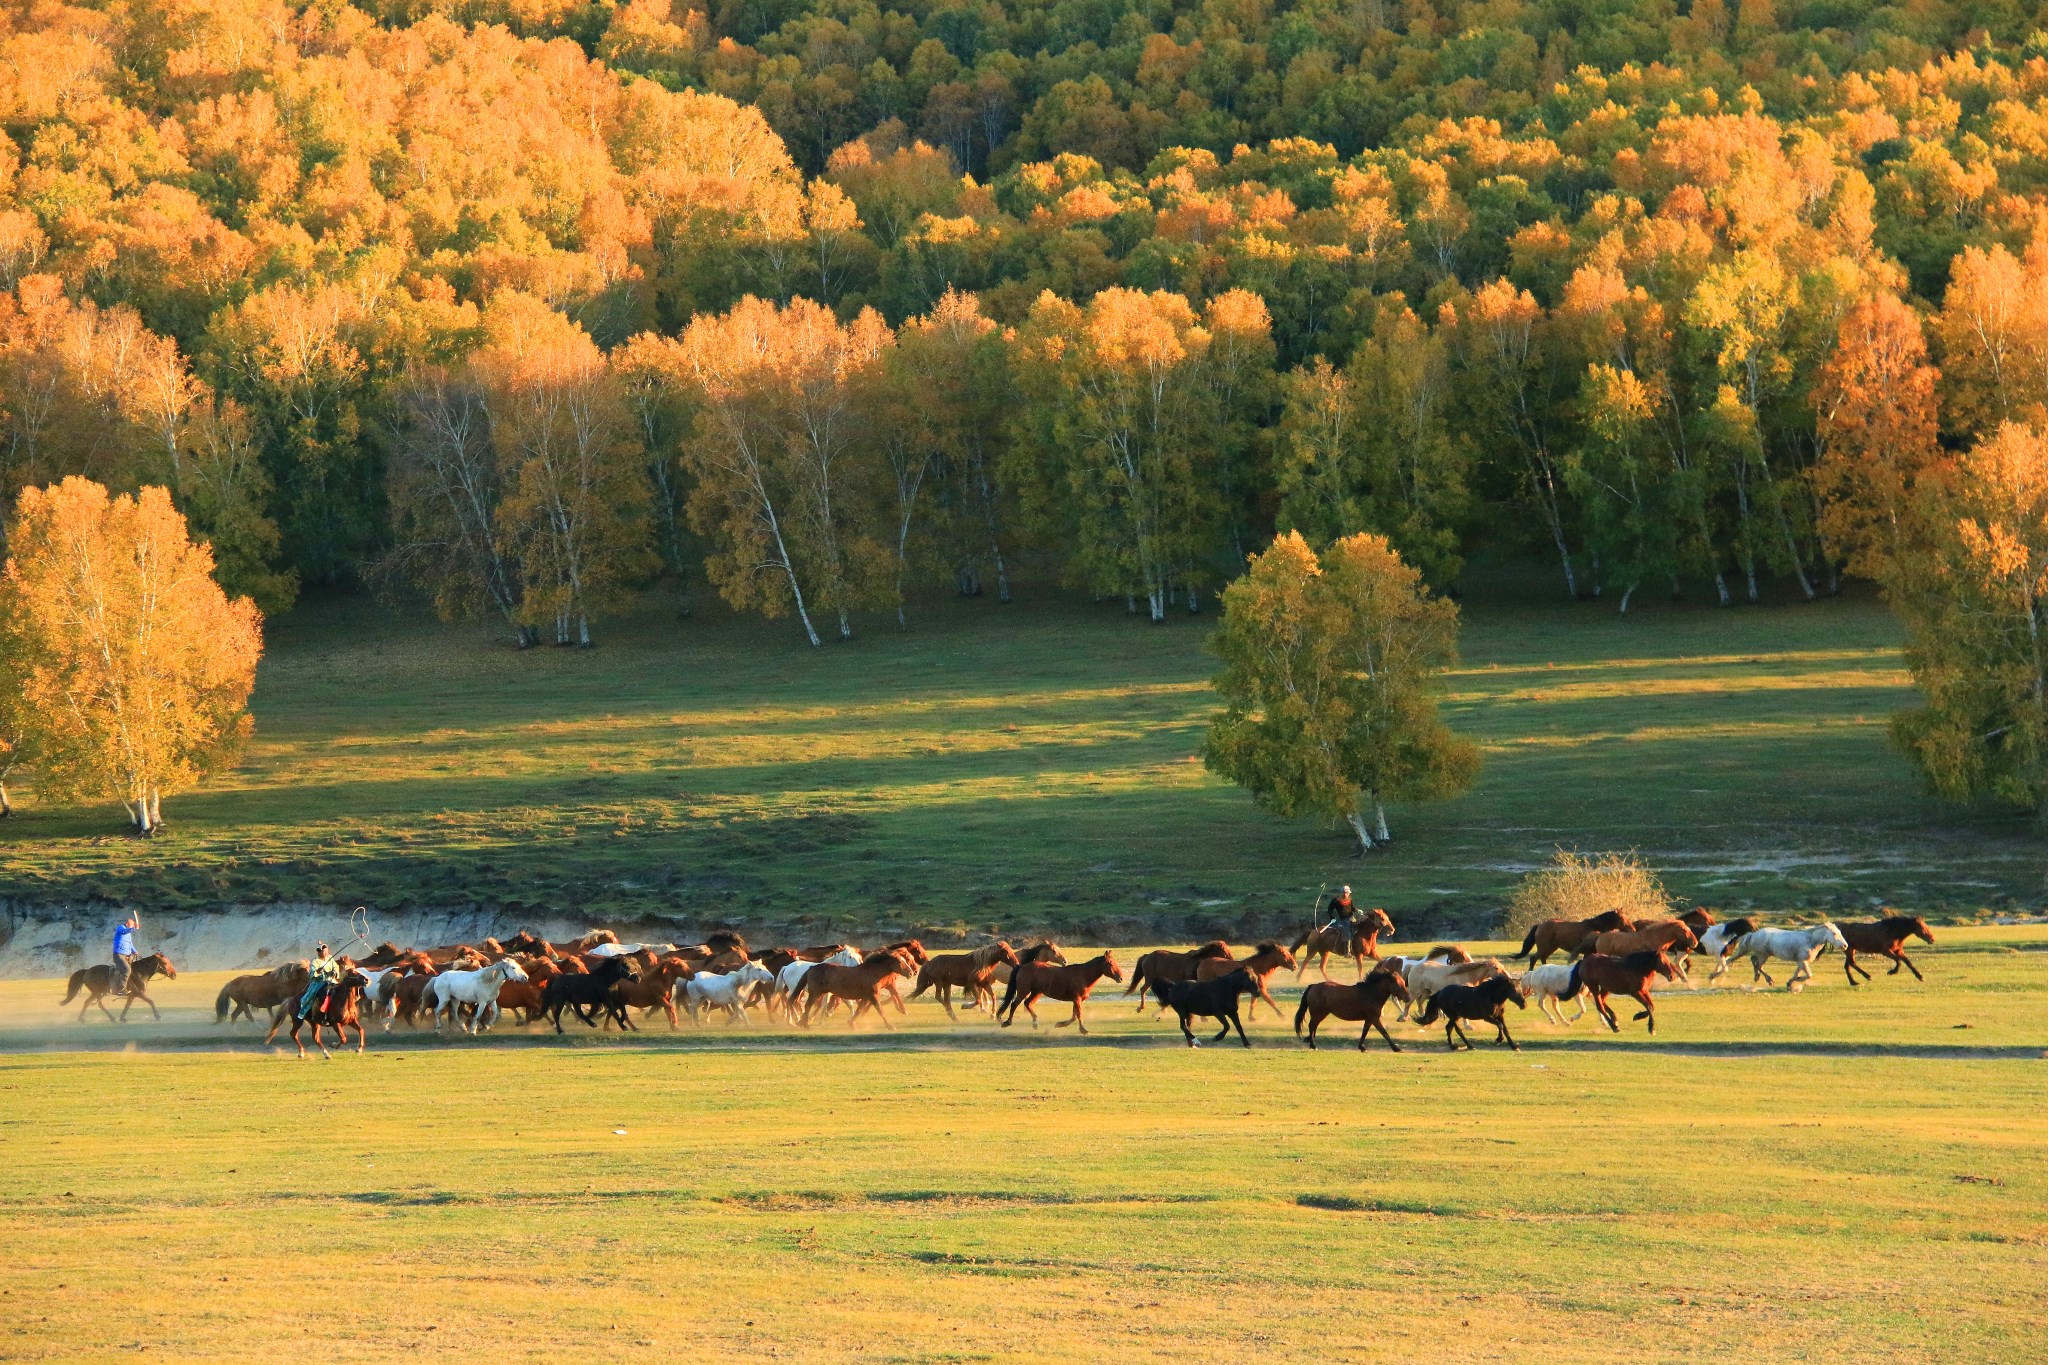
(1573, 984)
(1300, 1013)
(220, 1005)
(77, 985)
(1528, 944)
(1137, 977)
(1429, 1012)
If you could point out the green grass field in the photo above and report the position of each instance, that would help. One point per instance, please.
(1829, 1176)
(1027, 766)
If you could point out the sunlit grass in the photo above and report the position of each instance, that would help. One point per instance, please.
(1027, 765)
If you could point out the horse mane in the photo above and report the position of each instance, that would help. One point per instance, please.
(1642, 961)
(1896, 924)
(1266, 948)
(1215, 947)
(724, 938)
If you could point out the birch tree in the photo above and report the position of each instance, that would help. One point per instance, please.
(131, 668)
(1331, 673)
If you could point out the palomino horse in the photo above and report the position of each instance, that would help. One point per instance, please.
(98, 982)
(1486, 1003)
(1034, 981)
(1631, 976)
(1357, 942)
(1163, 966)
(1358, 1004)
(1887, 938)
(337, 1010)
(970, 972)
(863, 985)
(1266, 960)
(1565, 935)
(1797, 946)
(271, 990)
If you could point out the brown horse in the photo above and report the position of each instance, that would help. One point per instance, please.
(656, 988)
(1887, 938)
(1265, 960)
(863, 985)
(337, 1010)
(1664, 935)
(1357, 1003)
(1357, 942)
(1697, 920)
(1045, 951)
(1565, 935)
(1164, 966)
(970, 972)
(408, 997)
(1034, 981)
(98, 983)
(243, 996)
(1631, 976)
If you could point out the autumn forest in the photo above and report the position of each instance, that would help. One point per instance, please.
(517, 308)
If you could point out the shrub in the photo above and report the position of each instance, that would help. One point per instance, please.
(1578, 887)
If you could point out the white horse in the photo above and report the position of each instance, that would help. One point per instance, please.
(451, 990)
(1799, 946)
(1425, 976)
(1548, 985)
(622, 949)
(707, 990)
(792, 976)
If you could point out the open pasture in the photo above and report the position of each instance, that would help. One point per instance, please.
(1834, 1175)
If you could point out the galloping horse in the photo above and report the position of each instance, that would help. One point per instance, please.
(336, 1010)
(1797, 946)
(1631, 976)
(970, 972)
(1268, 959)
(1360, 1003)
(449, 991)
(1034, 981)
(863, 984)
(1164, 966)
(1357, 942)
(1720, 941)
(1887, 938)
(1564, 935)
(1671, 936)
(1215, 998)
(1486, 1002)
(98, 982)
(1551, 983)
(243, 996)
(1425, 976)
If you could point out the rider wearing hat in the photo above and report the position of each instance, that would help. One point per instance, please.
(322, 974)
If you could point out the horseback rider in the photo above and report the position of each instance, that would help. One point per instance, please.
(1343, 914)
(323, 973)
(124, 954)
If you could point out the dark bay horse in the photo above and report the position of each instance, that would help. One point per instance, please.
(1034, 981)
(244, 995)
(1485, 1003)
(1215, 998)
(339, 1009)
(98, 982)
(1164, 966)
(1360, 1003)
(1886, 938)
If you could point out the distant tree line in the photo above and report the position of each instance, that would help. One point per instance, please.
(527, 304)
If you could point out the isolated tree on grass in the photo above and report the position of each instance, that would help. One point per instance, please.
(129, 667)
(1329, 684)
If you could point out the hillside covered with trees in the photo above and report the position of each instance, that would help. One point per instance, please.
(524, 306)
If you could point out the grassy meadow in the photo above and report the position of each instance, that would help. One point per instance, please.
(1032, 765)
(1828, 1176)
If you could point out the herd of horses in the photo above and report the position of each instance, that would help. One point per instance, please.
(600, 981)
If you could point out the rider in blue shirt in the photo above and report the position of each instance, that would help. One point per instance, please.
(124, 952)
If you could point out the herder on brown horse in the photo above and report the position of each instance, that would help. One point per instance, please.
(98, 983)
(1351, 933)
(336, 1007)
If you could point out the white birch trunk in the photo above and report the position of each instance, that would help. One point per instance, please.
(1357, 823)
(1379, 820)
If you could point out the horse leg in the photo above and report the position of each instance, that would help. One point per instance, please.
(1374, 1023)
(1849, 967)
(1186, 1029)
(1028, 1002)
(1506, 1037)
(1907, 963)
(1802, 972)
(1240, 1028)
(1450, 1027)
(101, 1001)
(1757, 966)
(945, 994)
(1606, 1011)
(1649, 1010)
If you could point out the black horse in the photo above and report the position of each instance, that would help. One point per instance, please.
(1485, 1003)
(1213, 999)
(98, 982)
(338, 1008)
(584, 992)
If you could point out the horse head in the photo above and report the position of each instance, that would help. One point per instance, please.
(1921, 930)
(510, 970)
(1376, 921)
(1114, 972)
(163, 965)
(1005, 954)
(1664, 967)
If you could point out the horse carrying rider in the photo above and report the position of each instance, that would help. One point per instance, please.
(323, 973)
(1343, 914)
(124, 954)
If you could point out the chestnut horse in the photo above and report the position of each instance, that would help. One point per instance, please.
(1164, 966)
(1034, 981)
(1887, 938)
(1045, 951)
(243, 996)
(337, 1010)
(1565, 935)
(1267, 959)
(1357, 942)
(98, 982)
(1360, 1003)
(970, 972)
(1631, 976)
(656, 989)
(1671, 936)
(863, 985)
